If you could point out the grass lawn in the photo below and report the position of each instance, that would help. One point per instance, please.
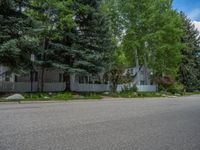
(65, 96)
(136, 94)
(60, 96)
(128, 94)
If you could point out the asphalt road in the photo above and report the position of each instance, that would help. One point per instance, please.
(150, 124)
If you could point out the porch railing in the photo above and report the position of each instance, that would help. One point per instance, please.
(26, 86)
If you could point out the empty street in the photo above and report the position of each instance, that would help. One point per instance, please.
(110, 124)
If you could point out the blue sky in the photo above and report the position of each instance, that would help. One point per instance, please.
(190, 7)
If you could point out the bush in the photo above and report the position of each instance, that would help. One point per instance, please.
(35, 95)
(176, 88)
(128, 94)
(130, 89)
(149, 94)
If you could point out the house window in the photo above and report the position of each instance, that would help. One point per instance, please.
(7, 77)
(132, 71)
(86, 79)
(60, 77)
(97, 80)
(36, 76)
(81, 79)
(16, 78)
(31, 76)
(142, 82)
(151, 82)
(66, 78)
(90, 80)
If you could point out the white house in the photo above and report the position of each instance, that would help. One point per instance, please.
(56, 80)
(53, 81)
(141, 77)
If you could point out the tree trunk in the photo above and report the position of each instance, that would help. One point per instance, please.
(42, 71)
(145, 70)
(137, 66)
(42, 79)
(67, 80)
(136, 58)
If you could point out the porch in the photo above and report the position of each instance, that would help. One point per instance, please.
(7, 86)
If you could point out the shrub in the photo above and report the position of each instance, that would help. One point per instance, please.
(176, 88)
(35, 95)
(149, 94)
(130, 89)
(128, 94)
(165, 82)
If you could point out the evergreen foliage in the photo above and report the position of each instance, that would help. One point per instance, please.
(189, 70)
(72, 36)
(16, 41)
(92, 38)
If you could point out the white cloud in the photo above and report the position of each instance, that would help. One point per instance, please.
(197, 25)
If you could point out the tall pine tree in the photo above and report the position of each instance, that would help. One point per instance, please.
(93, 38)
(56, 19)
(80, 47)
(189, 70)
(16, 41)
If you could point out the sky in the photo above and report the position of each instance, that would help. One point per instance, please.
(191, 8)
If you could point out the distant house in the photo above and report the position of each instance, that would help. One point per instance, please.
(55, 80)
(141, 78)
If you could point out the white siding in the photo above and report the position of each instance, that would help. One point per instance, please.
(140, 88)
(147, 88)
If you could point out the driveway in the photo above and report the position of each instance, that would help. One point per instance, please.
(126, 124)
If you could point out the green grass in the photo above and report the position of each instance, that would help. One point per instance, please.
(64, 96)
(138, 94)
(47, 96)
(192, 93)
(61, 96)
(128, 94)
(91, 96)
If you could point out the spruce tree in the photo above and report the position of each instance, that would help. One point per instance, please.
(189, 70)
(16, 42)
(55, 17)
(92, 38)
